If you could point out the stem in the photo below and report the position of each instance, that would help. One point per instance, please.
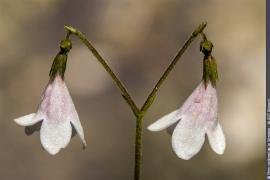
(138, 148)
(139, 113)
(152, 95)
(122, 88)
(203, 36)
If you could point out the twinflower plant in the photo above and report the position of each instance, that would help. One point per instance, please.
(57, 117)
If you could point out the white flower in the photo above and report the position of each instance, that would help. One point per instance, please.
(189, 124)
(57, 116)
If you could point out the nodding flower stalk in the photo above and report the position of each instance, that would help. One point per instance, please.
(198, 116)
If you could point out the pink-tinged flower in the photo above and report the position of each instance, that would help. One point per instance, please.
(188, 125)
(57, 116)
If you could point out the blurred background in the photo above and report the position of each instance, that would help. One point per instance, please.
(138, 39)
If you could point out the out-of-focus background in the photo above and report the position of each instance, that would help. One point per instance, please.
(138, 39)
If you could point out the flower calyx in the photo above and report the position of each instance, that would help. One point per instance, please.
(210, 72)
(60, 60)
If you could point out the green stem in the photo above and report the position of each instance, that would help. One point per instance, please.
(122, 88)
(139, 113)
(138, 148)
(151, 98)
(152, 95)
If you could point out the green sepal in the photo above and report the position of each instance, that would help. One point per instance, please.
(210, 72)
(60, 60)
(58, 66)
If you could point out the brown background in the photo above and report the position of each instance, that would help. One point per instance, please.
(138, 39)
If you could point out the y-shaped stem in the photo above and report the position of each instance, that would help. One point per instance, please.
(139, 113)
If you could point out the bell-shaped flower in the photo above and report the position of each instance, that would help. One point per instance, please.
(57, 115)
(188, 125)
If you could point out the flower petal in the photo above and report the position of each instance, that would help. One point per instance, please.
(217, 139)
(165, 121)
(212, 115)
(55, 135)
(27, 120)
(187, 138)
(73, 117)
(78, 127)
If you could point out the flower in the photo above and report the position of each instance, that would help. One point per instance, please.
(58, 115)
(56, 118)
(189, 124)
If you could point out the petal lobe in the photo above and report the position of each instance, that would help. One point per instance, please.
(165, 121)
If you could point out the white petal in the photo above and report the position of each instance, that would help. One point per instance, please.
(217, 139)
(73, 117)
(187, 138)
(55, 135)
(78, 127)
(27, 120)
(165, 121)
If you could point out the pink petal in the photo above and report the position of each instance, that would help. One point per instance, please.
(212, 117)
(202, 104)
(57, 105)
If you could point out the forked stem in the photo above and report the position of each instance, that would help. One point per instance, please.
(139, 113)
